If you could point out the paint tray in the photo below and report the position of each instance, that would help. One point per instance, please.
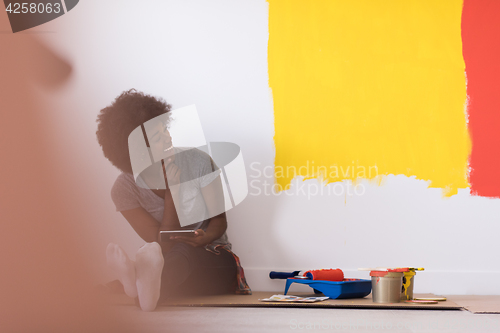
(349, 288)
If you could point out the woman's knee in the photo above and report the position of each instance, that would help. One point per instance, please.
(182, 253)
(182, 248)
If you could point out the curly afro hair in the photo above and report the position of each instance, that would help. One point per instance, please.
(115, 123)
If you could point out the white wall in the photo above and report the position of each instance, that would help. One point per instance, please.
(214, 54)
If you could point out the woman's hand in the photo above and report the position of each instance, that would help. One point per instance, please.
(171, 172)
(200, 238)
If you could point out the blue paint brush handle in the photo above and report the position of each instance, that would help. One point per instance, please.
(283, 275)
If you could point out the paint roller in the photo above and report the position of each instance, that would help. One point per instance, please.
(317, 274)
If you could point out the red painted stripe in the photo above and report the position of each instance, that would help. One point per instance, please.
(481, 50)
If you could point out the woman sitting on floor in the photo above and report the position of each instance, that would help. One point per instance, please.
(181, 265)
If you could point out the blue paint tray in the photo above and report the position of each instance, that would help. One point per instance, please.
(349, 288)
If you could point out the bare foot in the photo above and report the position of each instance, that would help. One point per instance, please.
(120, 263)
(149, 265)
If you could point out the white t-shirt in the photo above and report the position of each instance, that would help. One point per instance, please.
(197, 171)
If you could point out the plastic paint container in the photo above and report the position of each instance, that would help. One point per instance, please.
(348, 288)
(386, 286)
(407, 286)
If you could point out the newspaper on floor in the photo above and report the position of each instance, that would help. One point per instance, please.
(294, 299)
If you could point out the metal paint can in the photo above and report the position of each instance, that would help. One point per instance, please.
(386, 286)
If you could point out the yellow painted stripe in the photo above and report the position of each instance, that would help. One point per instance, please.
(376, 86)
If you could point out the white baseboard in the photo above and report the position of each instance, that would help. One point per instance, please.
(428, 281)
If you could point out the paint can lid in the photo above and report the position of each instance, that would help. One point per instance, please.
(400, 269)
(386, 274)
(422, 301)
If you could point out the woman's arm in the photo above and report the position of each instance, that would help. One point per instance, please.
(170, 220)
(216, 228)
(171, 172)
(143, 223)
(146, 226)
(214, 200)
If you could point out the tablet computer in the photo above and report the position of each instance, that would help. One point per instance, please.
(165, 235)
